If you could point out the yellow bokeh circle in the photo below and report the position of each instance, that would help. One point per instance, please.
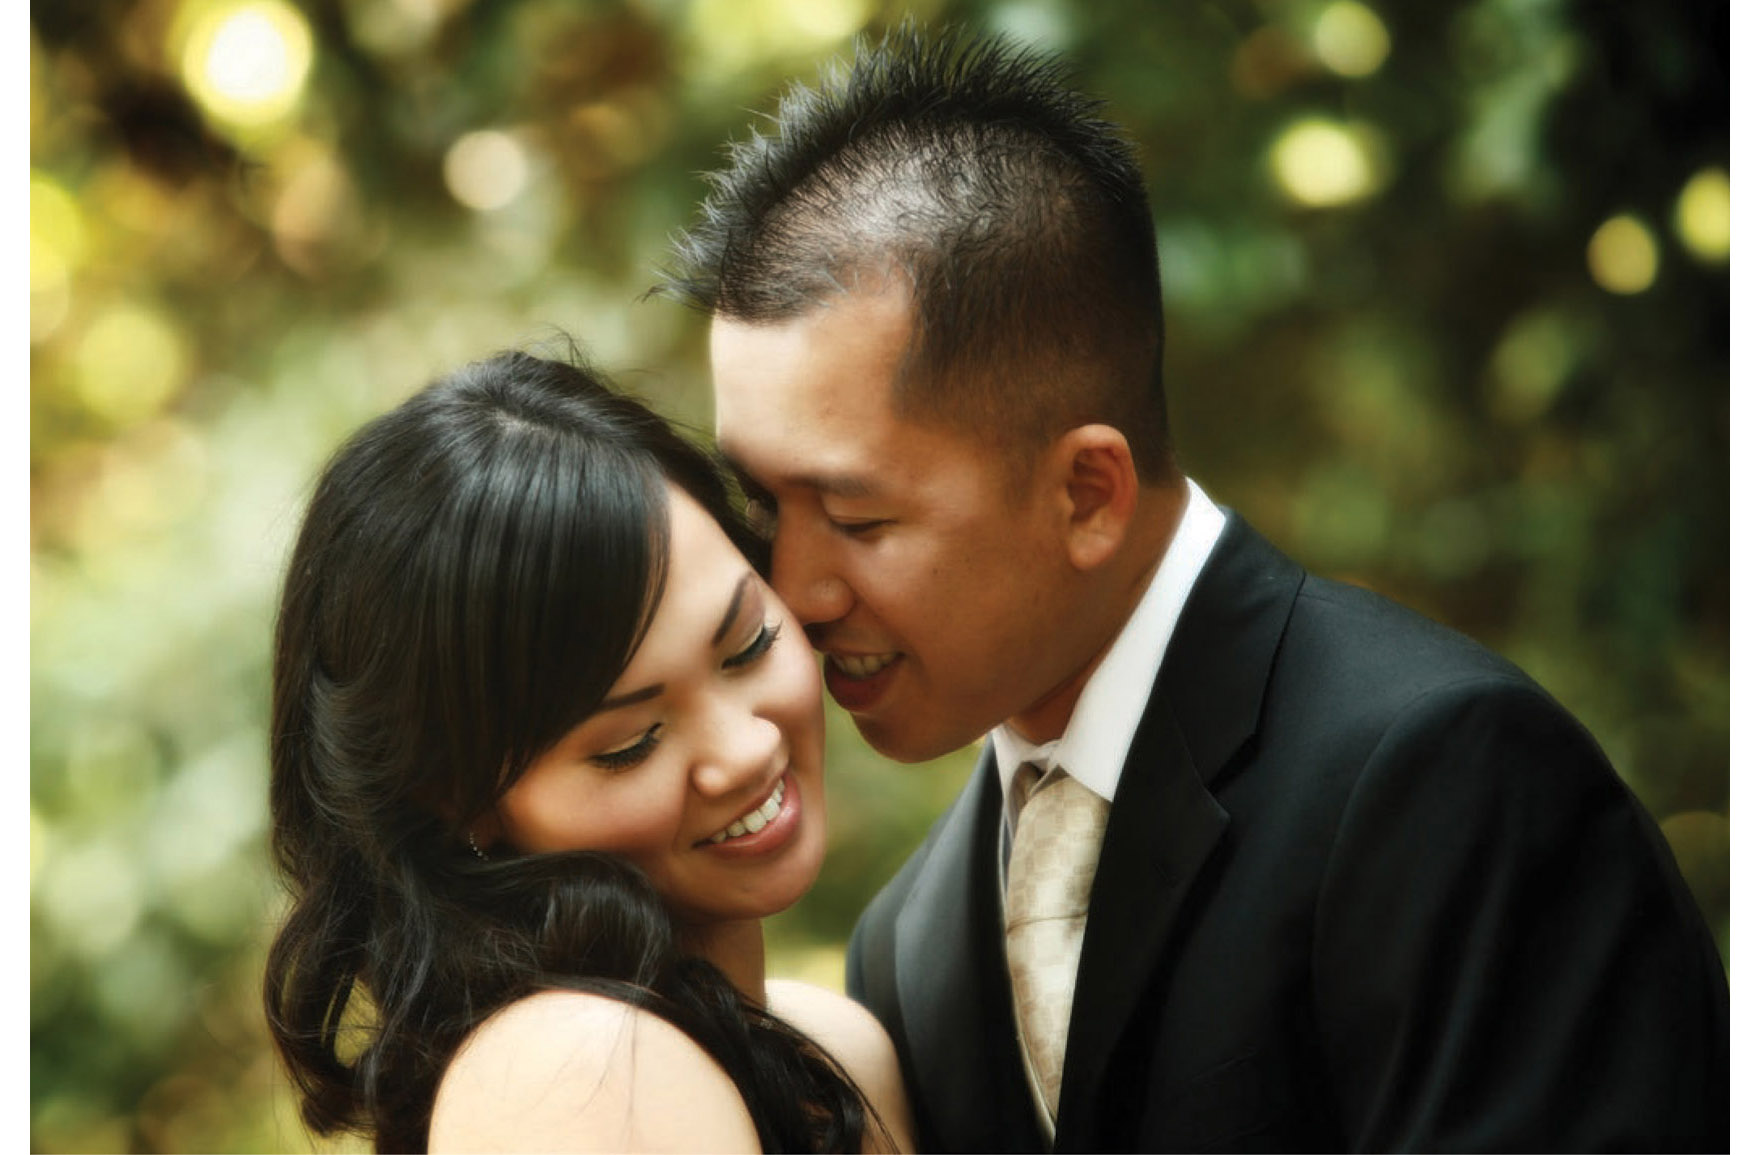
(1701, 216)
(1350, 39)
(1622, 255)
(1320, 163)
(246, 62)
(129, 363)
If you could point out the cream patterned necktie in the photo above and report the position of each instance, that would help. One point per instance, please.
(1050, 872)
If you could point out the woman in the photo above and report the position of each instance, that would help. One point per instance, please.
(545, 749)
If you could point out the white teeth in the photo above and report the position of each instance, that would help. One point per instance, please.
(755, 821)
(861, 665)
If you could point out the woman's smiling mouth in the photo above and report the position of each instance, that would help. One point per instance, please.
(756, 820)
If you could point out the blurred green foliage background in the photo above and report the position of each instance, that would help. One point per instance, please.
(1448, 296)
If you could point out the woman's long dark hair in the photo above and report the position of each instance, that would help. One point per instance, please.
(474, 571)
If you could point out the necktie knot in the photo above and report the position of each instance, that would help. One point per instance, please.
(1056, 848)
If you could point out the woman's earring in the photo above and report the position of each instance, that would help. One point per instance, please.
(471, 841)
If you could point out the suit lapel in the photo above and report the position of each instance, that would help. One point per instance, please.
(1162, 828)
(1164, 822)
(953, 983)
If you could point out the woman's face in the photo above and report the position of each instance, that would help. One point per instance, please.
(704, 765)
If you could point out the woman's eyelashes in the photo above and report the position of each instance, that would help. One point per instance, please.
(637, 749)
(631, 753)
(756, 648)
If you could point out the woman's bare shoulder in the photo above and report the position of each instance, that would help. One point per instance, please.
(833, 1020)
(569, 1071)
(857, 1040)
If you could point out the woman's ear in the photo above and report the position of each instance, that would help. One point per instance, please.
(1097, 480)
(484, 831)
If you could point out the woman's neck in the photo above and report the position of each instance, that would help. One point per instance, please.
(737, 948)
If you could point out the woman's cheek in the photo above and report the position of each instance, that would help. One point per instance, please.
(639, 821)
(803, 679)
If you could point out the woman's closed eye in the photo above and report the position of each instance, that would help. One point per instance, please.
(631, 753)
(760, 645)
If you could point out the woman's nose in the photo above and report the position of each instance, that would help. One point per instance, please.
(741, 750)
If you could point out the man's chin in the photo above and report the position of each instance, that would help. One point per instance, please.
(904, 743)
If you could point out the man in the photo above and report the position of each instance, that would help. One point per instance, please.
(1356, 883)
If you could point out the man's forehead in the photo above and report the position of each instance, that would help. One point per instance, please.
(806, 404)
(819, 442)
(756, 468)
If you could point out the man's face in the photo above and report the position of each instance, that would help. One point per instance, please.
(932, 577)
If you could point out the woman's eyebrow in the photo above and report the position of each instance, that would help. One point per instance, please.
(739, 593)
(629, 699)
(658, 688)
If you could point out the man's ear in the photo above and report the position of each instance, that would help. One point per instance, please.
(1097, 492)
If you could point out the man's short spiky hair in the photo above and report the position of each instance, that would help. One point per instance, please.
(1015, 213)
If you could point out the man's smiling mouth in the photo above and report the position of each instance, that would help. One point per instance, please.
(860, 665)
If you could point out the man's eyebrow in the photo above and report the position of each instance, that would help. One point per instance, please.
(834, 484)
(844, 485)
(739, 593)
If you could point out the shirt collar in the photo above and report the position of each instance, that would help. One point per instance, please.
(1092, 748)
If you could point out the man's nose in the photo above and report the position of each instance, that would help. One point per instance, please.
(802, 575)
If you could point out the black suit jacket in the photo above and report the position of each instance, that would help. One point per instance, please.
(1364, 886)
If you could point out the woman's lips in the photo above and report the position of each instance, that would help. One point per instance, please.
(757, 819)
(777, 831)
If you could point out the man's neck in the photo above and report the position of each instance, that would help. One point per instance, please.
(1159, 511)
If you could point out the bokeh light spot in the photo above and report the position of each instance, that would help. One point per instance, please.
(1622, 255)
(317, 217)
(729, 36)
(246, 63)
(58, 246)
(138, 487)
(1701, 216)
(91, 896)
(1268, 61)
(216, 793)
(130, 362)
(1323, 164)
(486, 170)
(1350, 39)
(40, 835)
(826, 20)
(1044, 24)
(112, 766)
(395, 27)
(145, 989)
(613, 135)
(1531, 364)
(58, 235)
